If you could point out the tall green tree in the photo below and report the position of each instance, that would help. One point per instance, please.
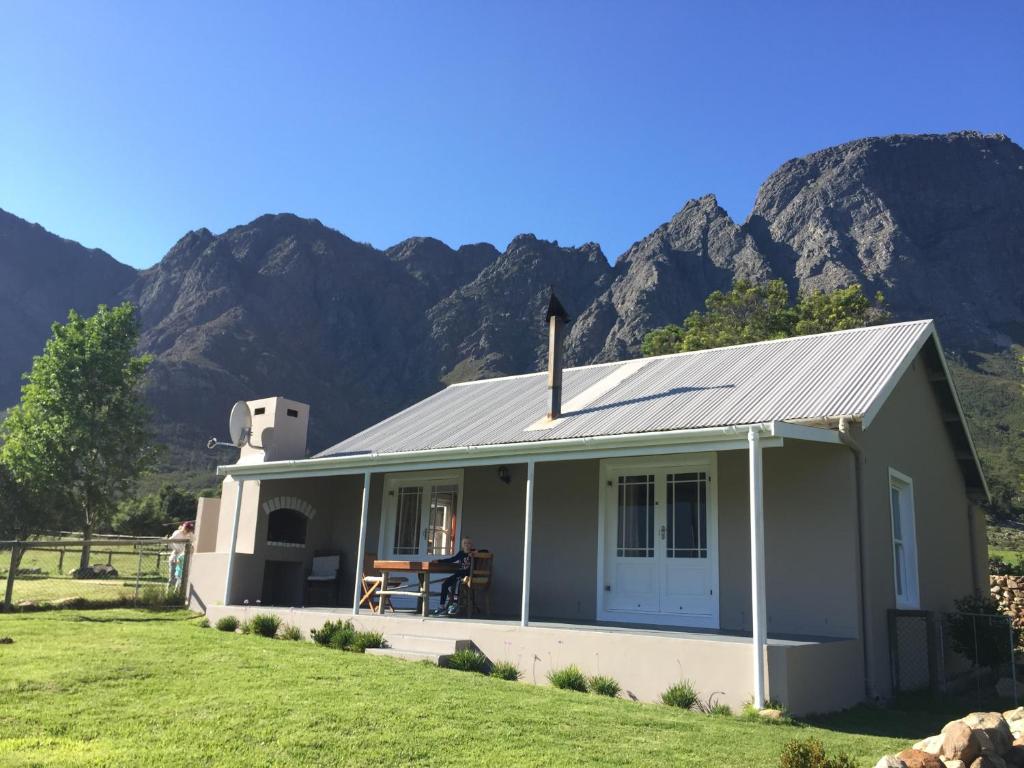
(79, 439)
(156, 514)
(762, 311)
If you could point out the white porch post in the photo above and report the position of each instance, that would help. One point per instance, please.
(229, 577)
(757, 609)
(361, 556)
(527, 545)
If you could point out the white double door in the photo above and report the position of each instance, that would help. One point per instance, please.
(661, 541)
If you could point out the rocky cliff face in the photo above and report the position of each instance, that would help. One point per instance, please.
(286, 305)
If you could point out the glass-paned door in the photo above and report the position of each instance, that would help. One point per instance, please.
(420, 517)
(660, 546)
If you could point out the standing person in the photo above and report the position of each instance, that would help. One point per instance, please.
(449, 586)
(176, 561)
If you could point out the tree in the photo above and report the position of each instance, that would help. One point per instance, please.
(762, 311)
(155, 514)
(79, 438)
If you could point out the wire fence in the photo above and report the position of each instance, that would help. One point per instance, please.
(956, 653)
(43, 573)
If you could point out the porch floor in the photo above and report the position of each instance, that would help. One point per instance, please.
(584, 625)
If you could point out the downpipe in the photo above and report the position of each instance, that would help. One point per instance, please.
(850, 442)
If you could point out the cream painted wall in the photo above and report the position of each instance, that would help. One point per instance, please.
(909, 435)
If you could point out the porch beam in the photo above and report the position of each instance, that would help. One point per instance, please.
(230, 575)
(361, 551)
(757, 589)
(524, 618)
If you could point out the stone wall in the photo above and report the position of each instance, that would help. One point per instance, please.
(1008, 591)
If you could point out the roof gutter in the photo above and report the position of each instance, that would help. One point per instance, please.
(536, 449)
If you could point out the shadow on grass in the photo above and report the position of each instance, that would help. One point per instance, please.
(153, 614)
(910, 716)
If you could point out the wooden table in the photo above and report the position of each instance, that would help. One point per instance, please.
(422, 569)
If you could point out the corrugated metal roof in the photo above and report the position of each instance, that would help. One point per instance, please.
(806, 377)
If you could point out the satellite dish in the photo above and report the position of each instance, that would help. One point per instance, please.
(267, 440)
(240, 423)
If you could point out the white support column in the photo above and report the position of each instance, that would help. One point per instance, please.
(757, 596)
(361, 556)
(229, 577)
(527, 545)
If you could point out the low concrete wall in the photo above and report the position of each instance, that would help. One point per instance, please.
(806, 676)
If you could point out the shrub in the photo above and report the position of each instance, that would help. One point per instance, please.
(603, 685)
(506, 670)
(810, 753)
(264, 624)
(342, 637)
(363, 640)
(720, 709)
(289, 632)
(682, 695)
(227, 623)
(568, 678)
(203, 623)
(710, 704)
(982, 640)
(326, 633)
(467, 660)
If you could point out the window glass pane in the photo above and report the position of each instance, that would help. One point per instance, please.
(687, 515)
(635, 533)
(407, 521)
(901, 568)
(444, 500)
(897, 513)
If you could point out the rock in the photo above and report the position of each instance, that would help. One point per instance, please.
(1015, 757)
(932, 745)
(771, 714)
(915, 758)
(960, 742)
(890, 761)
(953, 763)
(6, 640)
(994, 726)
(989, 761)
(1013, 715)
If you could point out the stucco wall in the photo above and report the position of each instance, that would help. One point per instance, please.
(909, 435)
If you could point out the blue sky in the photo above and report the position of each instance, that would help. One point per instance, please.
(124, 125)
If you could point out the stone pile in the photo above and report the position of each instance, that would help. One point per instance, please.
(980, 740)
(1008, 591)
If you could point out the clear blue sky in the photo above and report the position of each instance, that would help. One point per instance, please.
(124, 125)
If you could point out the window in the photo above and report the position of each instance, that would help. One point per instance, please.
(904, 541)
(636, 516)
(421, 515)
(687, 515)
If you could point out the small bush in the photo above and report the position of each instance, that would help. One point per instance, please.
(720, 709)
(326, 634)
(467, 660)
(264, 624)
(710, 704)
(506, 670)
(810, 753)
(603, 685)
(227, 623)
(682, 695)
(568, 679)
(363, 640)
(245, 628)
(289, 632)
(203, 623)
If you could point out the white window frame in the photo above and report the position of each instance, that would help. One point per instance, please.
(910, 600)
(385, 542)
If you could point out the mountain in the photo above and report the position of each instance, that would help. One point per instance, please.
(43, 277)
(284, 305)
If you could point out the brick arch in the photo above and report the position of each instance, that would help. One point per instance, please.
(289, 502)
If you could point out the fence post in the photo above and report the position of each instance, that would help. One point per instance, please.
(185, 563)
(60, 562)
(9, 592)
(1013, 661)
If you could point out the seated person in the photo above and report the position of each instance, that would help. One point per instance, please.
(450, 585)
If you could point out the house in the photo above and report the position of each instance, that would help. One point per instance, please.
(744, 517)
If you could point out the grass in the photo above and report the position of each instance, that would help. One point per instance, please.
(126, 687)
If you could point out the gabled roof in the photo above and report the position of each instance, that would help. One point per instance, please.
(801, 379)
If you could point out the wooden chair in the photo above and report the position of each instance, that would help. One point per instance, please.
(373, 581)
(478, 582)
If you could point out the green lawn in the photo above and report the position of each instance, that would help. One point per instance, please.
(136, 688)
(55, 582)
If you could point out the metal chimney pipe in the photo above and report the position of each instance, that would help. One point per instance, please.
(556, 318)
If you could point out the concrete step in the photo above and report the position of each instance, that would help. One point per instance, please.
(426, 643)
(403, 653)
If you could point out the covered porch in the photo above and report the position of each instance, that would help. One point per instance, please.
(582, 567)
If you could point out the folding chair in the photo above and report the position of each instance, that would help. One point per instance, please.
(481, 567)
(373, 581)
